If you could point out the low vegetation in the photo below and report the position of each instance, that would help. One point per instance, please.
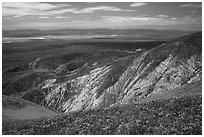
(181, 115)
(14, 102)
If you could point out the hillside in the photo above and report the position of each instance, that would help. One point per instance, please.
(142, 91)
(19, 109)
(99, 79)
(180, 114)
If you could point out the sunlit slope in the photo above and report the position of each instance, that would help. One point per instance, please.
(105, 78)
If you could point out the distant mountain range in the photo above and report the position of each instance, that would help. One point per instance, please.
(139, 33)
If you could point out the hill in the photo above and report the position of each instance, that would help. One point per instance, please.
(99, 79)
(180, 114)
(152, 86)
(19, 109)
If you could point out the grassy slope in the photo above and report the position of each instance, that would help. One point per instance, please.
(190, 89)
(181, 113)
(19, 109)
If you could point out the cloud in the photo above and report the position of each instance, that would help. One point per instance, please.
(100, 8)
(28, 8)
(46, 9)
(131, 21)
(162, 16)
(141, 18)
(138, 4)
(60, 17)
(191, 5)
(191, 19)
(149, 20)
(88, 10)
(28, 5)
(174, 18)
(106, 22)
(43, 17)
(81, 19)
(60, 11)
(194, 11)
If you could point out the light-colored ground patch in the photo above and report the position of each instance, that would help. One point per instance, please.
(28, 110)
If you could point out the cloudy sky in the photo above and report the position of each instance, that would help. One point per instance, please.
(119, 15)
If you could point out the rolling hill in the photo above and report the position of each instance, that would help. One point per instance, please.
(146, 91)
(19, 109)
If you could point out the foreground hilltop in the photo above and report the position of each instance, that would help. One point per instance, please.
(175, 113)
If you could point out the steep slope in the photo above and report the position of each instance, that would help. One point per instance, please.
(84, 81)
(163, 68)
(27, 82)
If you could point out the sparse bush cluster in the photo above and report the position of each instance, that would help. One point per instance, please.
(24, 83)
(35, 96)
(181, 115)
(17, 69)
(9, 101)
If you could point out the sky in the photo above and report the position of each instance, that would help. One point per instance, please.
(111, 15)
